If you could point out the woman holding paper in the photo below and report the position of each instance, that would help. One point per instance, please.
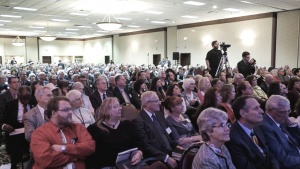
(112, 136)
(183, 131)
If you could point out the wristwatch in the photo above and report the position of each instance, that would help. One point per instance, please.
(63, 148)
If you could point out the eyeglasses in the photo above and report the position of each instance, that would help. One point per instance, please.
(153, 100)
(284, 111)
(223, 126)
(66, 110)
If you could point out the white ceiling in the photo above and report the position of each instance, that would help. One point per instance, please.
(172, 12)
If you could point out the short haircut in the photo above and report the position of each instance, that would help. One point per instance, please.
(242, 86)
(77, 84)
(213, 42)
(147, 96)
(170, 89)
(81, 76)
(137, 85)
(74, 76)
(277, 101)
(240, 103)
(140, 72)
(118, 77)
(187, 82)
(24, 90)
(40, 91)
(72, 94)
(292, 82)
(214, 81)
(54, 103)
(209, 118)
(99, 79)
(244, 54)
(10, 78)
(250, 78)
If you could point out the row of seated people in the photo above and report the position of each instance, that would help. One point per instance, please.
(153, 105)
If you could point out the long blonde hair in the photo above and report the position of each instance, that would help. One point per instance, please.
(103, 112)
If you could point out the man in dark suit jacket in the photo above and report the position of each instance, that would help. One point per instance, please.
(100, 93)
(152, 130)
(281, 133)
(10, 94)
(265, 85)
(88, 87)
(12, 120)
(121, 87)
(246, 152)
(246, 66)
(23, 79)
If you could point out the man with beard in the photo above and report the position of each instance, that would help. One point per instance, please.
(213, 58)
(60, 143)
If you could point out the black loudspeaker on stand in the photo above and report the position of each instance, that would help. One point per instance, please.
(175, 55)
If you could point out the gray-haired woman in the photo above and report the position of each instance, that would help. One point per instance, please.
(213, 128)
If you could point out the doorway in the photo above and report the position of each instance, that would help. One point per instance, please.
(106, 59)
(185, 59)
(47, 59)
(156, 59)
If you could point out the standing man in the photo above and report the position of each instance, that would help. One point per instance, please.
(61, 64)
(13, 61)
(12, 124)
(213, 58)
(60, 143)
(246, 65)
(247, 145)
(281, 133)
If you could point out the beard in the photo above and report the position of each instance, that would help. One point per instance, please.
(64, 121)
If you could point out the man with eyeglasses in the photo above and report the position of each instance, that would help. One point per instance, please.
(247, 145)
(281, 132)
(60, 143)
(12, 124)
(152, 130)
(36, 117)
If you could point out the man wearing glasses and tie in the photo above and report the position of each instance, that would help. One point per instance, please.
(60, 143)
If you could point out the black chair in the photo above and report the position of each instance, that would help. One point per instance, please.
(187, 157)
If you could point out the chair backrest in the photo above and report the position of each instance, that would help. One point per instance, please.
(129, 112)
(187, 158)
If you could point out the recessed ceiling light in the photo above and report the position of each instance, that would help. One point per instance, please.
(60, 20)
(5, 21)
(37, 27)
(71, 29)
(154, 12)
(232, 10)
(71, 32)
(102, 31)
(147, 19)
(80, 14)
(159, 22)
(11, 16)
(126, 19)
(174, 22)
(81, 26)
(133, 26)
(193, 30)
(194, 3)
(215, 7)
(188, 16)
(247, 2)
(25, 9)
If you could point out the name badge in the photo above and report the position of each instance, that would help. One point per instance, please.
(188, 120)
(168, 130)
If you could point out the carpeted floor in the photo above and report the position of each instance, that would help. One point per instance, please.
(4, 158)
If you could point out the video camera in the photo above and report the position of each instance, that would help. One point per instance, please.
(224, 46)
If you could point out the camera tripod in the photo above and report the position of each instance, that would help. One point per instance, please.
(224, 63)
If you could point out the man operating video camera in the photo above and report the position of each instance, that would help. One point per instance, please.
(246, 66)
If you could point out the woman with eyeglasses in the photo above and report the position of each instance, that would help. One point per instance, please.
(183, 131)
(112, 135)
(80, 114)
(213, 153)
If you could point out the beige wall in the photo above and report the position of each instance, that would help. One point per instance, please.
(95, 50)
(198, 40)
(287, 42)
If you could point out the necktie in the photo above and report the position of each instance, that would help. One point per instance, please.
(25, 109)
(64, 141)
(162, 132)
(45, 116)
(287, 134)
(104, 96)
(125, 96)
(255, 140)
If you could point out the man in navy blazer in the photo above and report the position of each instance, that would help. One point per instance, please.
(246, 153)
(281, 133)
(152, 130)
(121, 87)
